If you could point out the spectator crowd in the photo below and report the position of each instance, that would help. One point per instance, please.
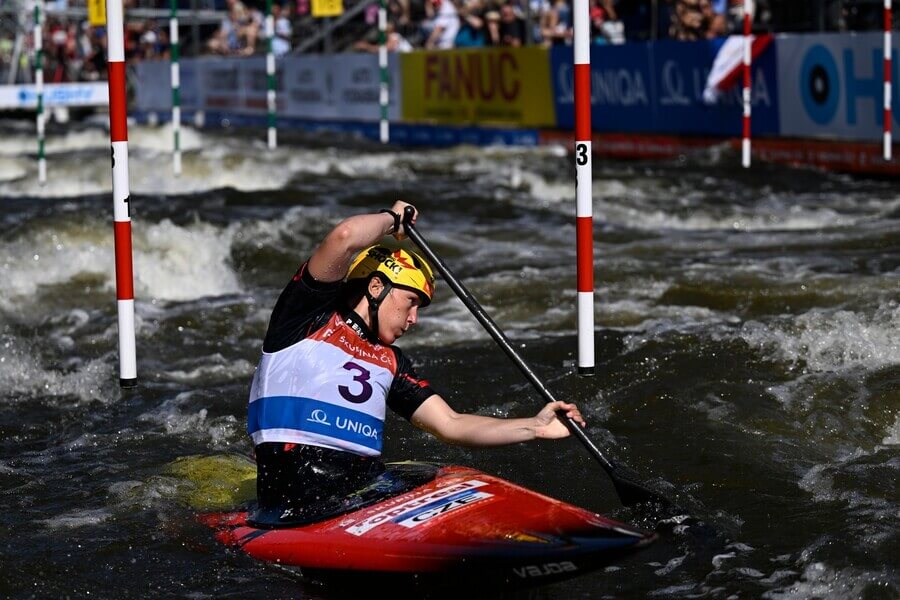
(76, 51)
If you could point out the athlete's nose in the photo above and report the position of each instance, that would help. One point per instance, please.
(413, 316)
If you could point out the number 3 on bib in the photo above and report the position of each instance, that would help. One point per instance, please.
(363, 379)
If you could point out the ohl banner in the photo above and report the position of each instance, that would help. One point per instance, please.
(832, 85)
(508, 86)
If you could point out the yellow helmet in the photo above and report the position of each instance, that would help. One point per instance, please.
(402, 268)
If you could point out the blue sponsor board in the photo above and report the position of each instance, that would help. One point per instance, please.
(621, 87)
(658, 88)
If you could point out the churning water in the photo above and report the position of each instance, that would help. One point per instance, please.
(748, 353)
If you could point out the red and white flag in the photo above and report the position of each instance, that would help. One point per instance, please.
(726, 68)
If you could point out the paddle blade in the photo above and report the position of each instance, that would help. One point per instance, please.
(633, 493)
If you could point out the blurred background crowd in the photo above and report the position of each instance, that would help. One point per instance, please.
(75, 51)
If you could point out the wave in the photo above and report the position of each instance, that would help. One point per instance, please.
(825, 340)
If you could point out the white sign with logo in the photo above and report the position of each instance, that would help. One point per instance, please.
(316, 87)
(832, 85)
(344, 86)
(55, 94)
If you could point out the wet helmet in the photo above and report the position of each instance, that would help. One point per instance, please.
(398, 267)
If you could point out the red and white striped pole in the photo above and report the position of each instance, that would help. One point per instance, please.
(748, 43)
(887, 79)
(118, 135)
(584, 209)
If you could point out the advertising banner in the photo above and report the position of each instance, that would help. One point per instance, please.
(344, 86)
(832, 85)
(55, 94)
(318, 87)
(658, 87)
(253, 84)
(155, 91)
(680, 73)
(621, 87)
(508, 86)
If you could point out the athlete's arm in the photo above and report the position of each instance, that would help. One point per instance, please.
(435, 416)
(332, 258)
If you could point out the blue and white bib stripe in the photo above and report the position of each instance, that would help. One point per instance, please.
(327, 390)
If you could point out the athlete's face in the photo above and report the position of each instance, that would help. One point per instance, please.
(399, 311)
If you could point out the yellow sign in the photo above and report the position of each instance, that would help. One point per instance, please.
(96, 12)
(508, 86)
(327, 8)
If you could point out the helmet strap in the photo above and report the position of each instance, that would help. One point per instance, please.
(375, 302)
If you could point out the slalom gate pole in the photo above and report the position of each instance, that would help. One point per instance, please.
(39, 87)
(888, 17)
(584, 219)
(384, 129)
(748, 42)
(270, 76)
(176, 87)
(118, 135)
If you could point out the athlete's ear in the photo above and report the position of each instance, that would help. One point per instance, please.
(375, 286)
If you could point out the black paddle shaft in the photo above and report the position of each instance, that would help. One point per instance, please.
(630, 492)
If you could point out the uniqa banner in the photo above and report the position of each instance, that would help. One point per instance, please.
(658, 88)
(508, 86)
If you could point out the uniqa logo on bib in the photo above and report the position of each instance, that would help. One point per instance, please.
(319, 416)
(356, 427)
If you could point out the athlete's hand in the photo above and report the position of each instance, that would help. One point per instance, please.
(399, 207)
(549, 426)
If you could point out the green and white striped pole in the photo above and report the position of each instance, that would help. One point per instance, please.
(39, 86)
(383, 68)
(270, 75)
(176, 86)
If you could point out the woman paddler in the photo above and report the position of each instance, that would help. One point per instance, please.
(328, 370)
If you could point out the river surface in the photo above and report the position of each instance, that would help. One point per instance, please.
(747, 335)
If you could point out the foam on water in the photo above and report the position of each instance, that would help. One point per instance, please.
(26, 143)
(893, 433)
(208, 163)
(178, 417)
(12, 168)
(820, 582)
(832, 340)
(75, 519)
(644, 205)
(161, 139)
(182, 263)
(219, 370)
(171, 262)
(22, 374)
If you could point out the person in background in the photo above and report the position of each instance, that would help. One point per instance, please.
(511, 27)
(443, 27)
(237, 33)
(556, 24)
(393, 42)
(690, 20)
(718, 23)
(471, 25)
(329, 370)
(281, 43)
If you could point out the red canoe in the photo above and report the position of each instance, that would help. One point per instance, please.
(438, 524)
